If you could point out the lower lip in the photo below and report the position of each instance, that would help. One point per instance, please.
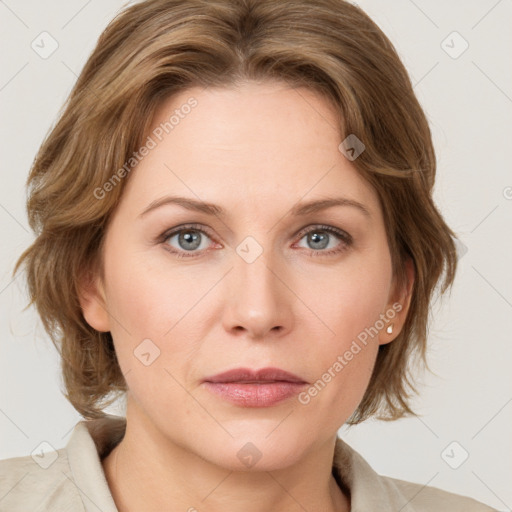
(255, 395)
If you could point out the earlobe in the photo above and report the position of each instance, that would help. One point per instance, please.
(399, 307)
(91, 296)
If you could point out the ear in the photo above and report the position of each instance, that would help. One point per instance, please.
(91, 295)
(399, 303)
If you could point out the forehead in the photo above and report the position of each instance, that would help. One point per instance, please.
(256, 144)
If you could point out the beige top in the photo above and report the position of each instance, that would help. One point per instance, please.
(72, 479)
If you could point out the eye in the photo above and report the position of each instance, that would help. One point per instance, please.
(320, 237)
(189, 241)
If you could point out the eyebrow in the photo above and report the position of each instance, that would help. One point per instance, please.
(299, 209)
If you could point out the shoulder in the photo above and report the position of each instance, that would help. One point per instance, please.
(425, 498)
(372, 491)
(71, 478)
(42, 482)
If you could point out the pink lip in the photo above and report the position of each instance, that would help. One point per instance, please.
(250, 388)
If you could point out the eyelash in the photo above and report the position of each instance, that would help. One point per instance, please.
(342, 236)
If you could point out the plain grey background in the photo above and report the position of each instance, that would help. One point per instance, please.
(458, 57)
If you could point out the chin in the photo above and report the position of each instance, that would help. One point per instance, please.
(252, 448)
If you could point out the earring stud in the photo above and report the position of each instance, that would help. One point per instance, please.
(389, 329)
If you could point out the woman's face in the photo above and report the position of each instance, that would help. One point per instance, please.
(267, 283)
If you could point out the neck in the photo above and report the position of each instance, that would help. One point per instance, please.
(148, 471)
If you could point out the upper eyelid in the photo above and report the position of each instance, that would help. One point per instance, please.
(323, 227)
(192, 227)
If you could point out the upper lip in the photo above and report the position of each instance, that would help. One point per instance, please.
(249, 375)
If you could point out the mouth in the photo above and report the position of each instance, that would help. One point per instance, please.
(255, 388)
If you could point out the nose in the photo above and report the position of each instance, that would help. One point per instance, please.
(259, 304)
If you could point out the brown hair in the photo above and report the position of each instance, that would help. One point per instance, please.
(158, 47)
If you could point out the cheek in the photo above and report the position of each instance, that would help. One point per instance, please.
(147, 300)
(351, 304)
(159, 319)
(352, 299)
(151, 332)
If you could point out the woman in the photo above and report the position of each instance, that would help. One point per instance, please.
(235, 228)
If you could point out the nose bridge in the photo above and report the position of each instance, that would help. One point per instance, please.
(258, 299)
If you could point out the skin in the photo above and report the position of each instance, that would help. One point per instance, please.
(256, 150)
